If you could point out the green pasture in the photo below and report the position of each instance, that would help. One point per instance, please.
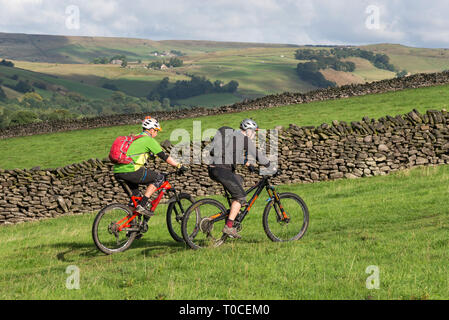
(398, 223)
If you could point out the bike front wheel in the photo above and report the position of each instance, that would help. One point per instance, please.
(175, 213)
(201, 227)
(286, 219)
(112, 231)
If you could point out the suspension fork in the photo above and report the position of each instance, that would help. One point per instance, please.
(280, 211)
(171, 192)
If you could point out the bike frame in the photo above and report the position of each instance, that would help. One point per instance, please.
(263, 183)
(126, 221)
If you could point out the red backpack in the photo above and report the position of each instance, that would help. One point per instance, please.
(119, 149)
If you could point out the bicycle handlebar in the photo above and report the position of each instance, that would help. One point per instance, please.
(252, 169)
(277, 174)
(176, 172)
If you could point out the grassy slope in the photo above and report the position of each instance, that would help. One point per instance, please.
(368, 73)
(397, 222)
(84, 50)
(135, 82)
(414, 60)
(70, 49)
(52, 150)
(259, 71)
(10, 93)
(74, 86)
(210, 100)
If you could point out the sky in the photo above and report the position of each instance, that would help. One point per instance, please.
(332, 22)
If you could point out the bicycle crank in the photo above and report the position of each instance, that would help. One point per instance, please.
(206, 226)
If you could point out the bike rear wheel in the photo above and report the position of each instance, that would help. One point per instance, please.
(175, 214)
(106, 232)
(200, 227)
(293, 226)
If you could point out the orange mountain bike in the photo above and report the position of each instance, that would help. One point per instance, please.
(116, 226)
(285, 218)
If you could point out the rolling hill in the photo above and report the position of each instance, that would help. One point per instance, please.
(71, 49)
(260, 69)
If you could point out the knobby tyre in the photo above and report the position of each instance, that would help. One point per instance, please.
(198, 227)
(175, 214)
(105, 234)
(280, 230)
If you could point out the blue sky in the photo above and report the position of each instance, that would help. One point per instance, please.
(411, 22)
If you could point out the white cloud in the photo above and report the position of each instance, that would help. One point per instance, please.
(411, 22)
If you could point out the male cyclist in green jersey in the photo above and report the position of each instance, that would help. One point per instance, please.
(136, 173)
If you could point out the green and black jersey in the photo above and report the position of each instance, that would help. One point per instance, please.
(140, 151)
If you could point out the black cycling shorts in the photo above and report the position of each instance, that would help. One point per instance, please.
(142, 176)
(233, 183)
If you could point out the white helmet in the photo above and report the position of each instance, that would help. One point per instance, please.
(249, 124)
(150, 123)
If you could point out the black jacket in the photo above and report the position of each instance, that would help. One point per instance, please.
(230, 147)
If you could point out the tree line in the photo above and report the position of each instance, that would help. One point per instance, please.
(183, 89)
(324, 60)
(310, 72)
(107, 60)
(331, 59)
(173, 62)
(379, 60)
(6, 63)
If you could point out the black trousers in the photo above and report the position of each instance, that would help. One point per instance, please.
(232, 182)
(143, 176)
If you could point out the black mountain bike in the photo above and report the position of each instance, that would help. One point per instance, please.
(116, 226)
(285, 218)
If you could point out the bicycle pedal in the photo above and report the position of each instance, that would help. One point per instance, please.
(144, 227)
(139, 236)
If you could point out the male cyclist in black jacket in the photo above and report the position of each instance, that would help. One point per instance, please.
(231, 147)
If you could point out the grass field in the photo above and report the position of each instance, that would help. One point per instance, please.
(58, 149)
(259, 71)
(398, 223)
(368, 73)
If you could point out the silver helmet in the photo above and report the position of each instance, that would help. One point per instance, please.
(150, 123)
(249, 124)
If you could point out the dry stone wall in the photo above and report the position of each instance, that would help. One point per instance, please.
(414, 81)
(306, 154)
